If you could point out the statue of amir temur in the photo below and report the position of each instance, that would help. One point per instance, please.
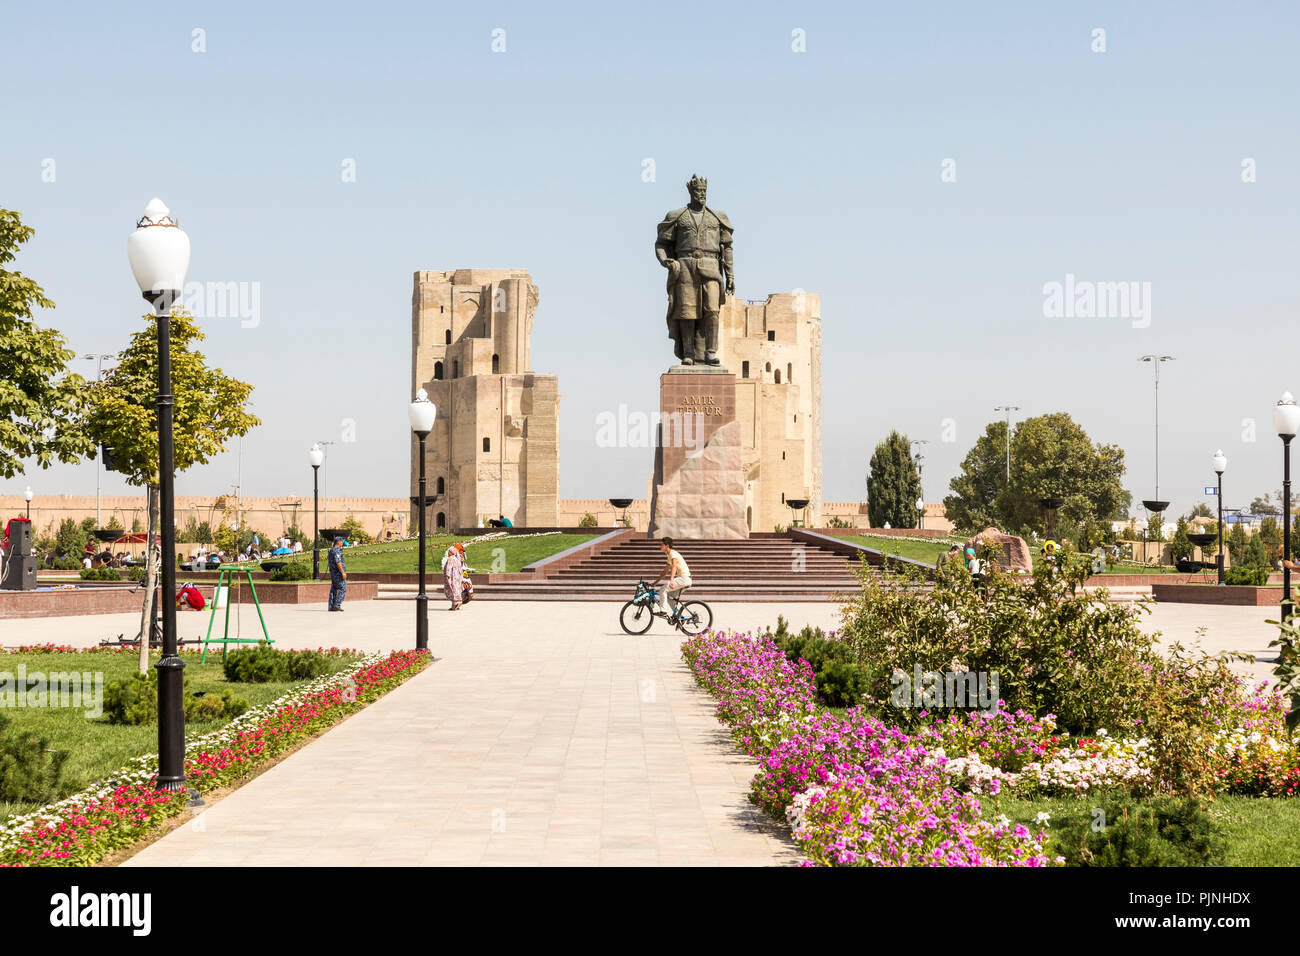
(694, 244)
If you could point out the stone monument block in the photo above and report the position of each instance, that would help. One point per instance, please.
(699, 488)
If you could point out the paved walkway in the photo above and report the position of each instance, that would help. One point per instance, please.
(542, 735)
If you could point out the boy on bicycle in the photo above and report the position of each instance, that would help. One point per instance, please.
(677, 573)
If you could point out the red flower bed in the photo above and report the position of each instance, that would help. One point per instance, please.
(86, 827)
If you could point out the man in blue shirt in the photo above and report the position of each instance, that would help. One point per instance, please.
(338, 576)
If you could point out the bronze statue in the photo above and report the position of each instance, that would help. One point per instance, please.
(694, 244)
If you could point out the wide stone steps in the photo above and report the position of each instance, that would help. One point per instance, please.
(754, 569)
(617, 593)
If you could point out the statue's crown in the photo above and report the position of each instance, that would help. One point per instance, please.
(697, 181)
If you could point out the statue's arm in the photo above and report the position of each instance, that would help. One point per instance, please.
(664, 243)
(728, 267)
(661, 252)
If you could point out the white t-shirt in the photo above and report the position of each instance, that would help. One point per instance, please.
(678, 565)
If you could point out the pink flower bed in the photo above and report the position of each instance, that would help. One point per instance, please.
(855, 790)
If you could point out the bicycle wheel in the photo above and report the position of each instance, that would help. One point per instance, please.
(693, 617)
(635, 618)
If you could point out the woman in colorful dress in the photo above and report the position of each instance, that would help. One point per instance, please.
(453, 570)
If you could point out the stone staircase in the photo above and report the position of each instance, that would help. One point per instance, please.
(771, 567)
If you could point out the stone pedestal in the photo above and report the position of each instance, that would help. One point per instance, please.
(699, 483)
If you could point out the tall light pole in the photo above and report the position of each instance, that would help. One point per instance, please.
(315, 456)
(919, 457)
(920, 514)
(325, 491)
(1156, 361)
(99, 377)
(421, 414)
(1220, 464)
(1008, 409)
(159, 253)
(27, 494)
(1286, 419)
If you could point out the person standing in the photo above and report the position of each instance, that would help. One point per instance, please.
(453, 570)
(944, 566)
(338, 576)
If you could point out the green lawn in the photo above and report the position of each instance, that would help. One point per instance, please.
(1258, 831)
(925, 551)
(402, 556)
(98, 748)
(928, 552)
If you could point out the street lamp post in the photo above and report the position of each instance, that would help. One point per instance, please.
(315, 456)
(159, 253)
(1286, 419)
(422, 413)
(325, 450)
(1156, 361)
(99, 457)
(1220, 466)
(920, 514)
(27, 494)
(1008, 409)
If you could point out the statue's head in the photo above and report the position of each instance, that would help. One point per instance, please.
(699, 188)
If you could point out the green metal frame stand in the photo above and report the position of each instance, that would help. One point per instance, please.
(226, 574)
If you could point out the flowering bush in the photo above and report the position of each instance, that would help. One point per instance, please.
(1056, 647)
(760, 692)
(1260, 756)
(902, 812)
(856, 790)
(821, 749)
(1004, 739)
(85, 827)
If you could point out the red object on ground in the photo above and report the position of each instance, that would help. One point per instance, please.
(190, 596)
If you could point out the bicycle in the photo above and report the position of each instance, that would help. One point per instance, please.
(689, 617)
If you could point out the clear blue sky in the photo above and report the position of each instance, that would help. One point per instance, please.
(1123, 165)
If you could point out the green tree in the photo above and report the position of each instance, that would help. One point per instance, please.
(1255, 554)
(114, 524)
(981, 483)
(1237, 543)
(1051, 456)
(1201, 510)
(1263, 505)
(42, 403)
(894, 484)
(70, 539)
(210, 408)
(355, 532)
(1155, 527)
(1181, 546)
(1270, 532)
